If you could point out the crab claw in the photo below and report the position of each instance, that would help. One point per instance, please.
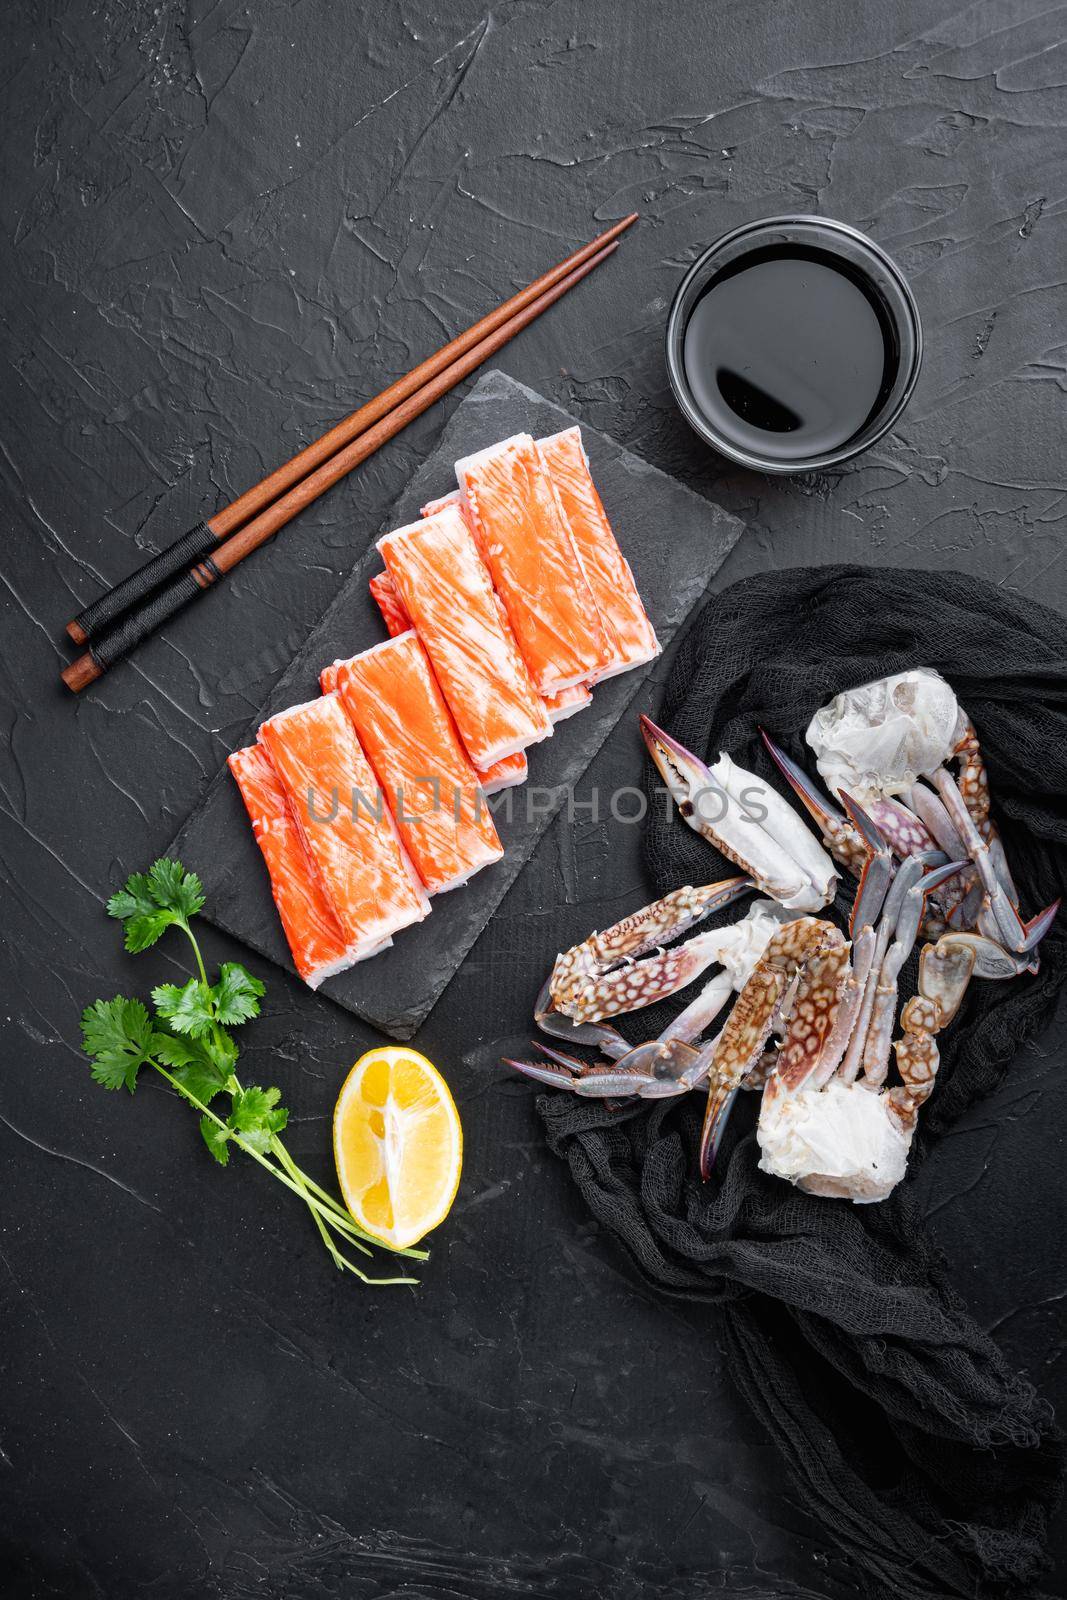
(686, 776)
(746, 820)
(876, 872)
(608, 1040)
(658, 1070)
(604, 976)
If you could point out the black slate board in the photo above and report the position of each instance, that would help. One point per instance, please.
(674, 540)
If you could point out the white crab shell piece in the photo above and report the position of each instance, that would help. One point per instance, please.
(802, 876)
(879, 738)
(839, 1141)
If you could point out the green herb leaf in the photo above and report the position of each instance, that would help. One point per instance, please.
(145, 929)
(236, 995)
(153, 901)
(257, 1117)
(119, 1036)
(217, 1140)
(188, 1009)
(134, 900)
(174, 889)
(194, 1066)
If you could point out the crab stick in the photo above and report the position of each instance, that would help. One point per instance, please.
(317, 942)
(559, 706)
(502, 774)
(623, 617)
(535, 568)
(405, 727)
(342, 814)
(446, 590)
(567, 701)
(454, 497)
(389, 603)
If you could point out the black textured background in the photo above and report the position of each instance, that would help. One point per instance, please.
(223, 225)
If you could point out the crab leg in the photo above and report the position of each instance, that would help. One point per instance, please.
(1011, 930)
(817, 953)
(974, 787)
(876, 1046)
(849, 1003)
(943, 978)
(907, 875)
(876, 872)
(746, 821)
(654, 1071)
(898, 827)
(843, 841)
(991, 959)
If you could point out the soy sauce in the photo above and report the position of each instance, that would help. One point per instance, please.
(789, 353)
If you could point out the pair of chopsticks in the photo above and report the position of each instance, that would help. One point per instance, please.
(120, 619)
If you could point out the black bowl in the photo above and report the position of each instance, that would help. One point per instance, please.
(864, 261)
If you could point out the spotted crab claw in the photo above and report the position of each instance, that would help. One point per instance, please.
(603, 976)
(609, 1041)
(747, 821)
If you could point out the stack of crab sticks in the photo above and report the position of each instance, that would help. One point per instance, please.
(504, 604)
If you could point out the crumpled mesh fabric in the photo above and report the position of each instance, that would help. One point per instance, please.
(917, 1447)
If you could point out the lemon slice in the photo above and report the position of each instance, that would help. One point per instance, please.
(398, 1145)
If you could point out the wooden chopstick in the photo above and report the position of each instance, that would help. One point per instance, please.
(201, 540)
(136, 625)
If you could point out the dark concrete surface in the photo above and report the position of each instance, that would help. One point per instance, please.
(224, 224)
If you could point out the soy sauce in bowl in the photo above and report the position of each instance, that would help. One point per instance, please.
(793, 344)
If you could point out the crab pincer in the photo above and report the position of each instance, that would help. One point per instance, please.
(605, 975)
(747, 821)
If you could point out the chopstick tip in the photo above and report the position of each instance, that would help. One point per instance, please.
(80, 673)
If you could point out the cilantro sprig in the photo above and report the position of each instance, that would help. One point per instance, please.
(186, 1039)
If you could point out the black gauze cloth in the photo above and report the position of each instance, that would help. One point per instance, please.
(911, 1441)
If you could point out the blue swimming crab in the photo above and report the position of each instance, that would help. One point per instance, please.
(816, 1011)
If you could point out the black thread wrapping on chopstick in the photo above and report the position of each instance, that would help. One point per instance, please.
(911, 1439)
(197, 542)
(137, 625)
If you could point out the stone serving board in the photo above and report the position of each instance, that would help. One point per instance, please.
(675, 542)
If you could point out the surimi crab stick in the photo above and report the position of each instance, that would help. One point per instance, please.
(535, 568)
(341, 811)
(383, 590)
(317, 942)
(447, 592)
(607, 572)
(389, 603)
(503, 774)
(567, 701)
(405, 727)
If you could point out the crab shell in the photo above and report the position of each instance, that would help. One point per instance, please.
(841, 1141)
(879, 738)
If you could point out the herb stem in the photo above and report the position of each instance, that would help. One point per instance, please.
(269, 1166)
